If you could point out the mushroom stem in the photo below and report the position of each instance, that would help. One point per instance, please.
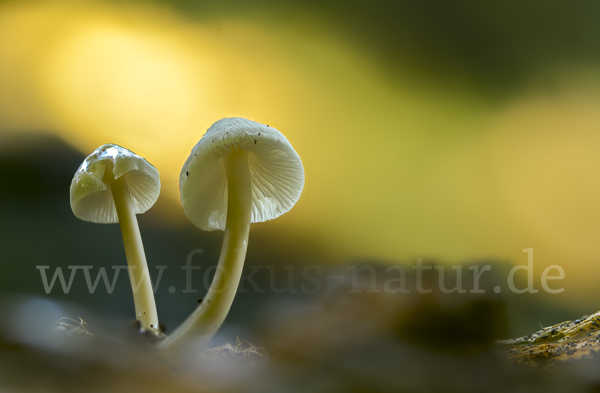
(143, 296)
(208, 317)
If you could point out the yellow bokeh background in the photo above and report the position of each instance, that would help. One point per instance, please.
(397, 167)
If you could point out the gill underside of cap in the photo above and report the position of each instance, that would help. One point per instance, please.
(277, 174)
(91, 197)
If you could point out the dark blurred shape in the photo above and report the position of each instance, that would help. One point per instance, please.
(494, 44)
(470, 325)
(34, 178)
(34, 167)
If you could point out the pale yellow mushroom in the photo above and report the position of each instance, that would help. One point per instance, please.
(240, 172)
(113, 185)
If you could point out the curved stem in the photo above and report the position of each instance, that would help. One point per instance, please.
(143, 296)
(210, 314)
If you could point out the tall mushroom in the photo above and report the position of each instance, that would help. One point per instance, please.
(240, 172)
(113, 185)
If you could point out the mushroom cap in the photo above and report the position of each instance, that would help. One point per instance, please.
(276, 171)
(91, 197)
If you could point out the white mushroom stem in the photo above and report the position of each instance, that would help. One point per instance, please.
(208, 317)
(143, 296)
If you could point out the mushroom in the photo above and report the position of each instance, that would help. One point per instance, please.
(240, 172)
(113, 185)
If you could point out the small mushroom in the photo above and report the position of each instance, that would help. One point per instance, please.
(240, 172)
(113, 185)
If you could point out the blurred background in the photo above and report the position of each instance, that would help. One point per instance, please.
(458, 132)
